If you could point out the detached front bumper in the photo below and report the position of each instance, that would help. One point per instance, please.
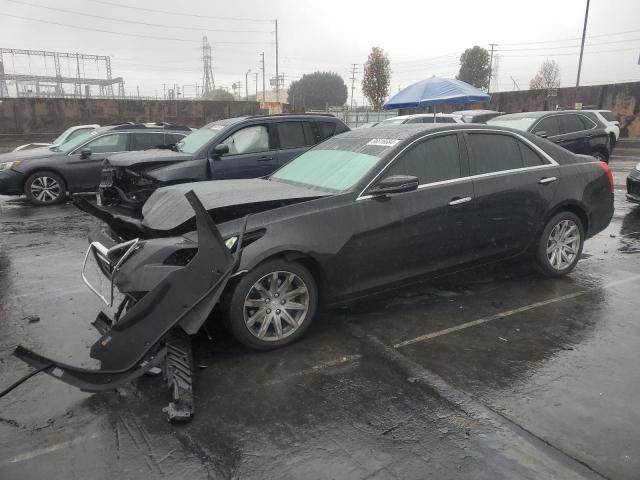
(131, 345)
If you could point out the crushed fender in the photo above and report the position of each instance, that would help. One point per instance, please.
(154, 330)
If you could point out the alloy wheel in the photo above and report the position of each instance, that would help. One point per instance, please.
(563, 244)
(276, 305)
(45, 189)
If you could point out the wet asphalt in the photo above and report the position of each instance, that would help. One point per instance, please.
(497, 373)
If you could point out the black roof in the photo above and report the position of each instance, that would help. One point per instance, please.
(143, 126)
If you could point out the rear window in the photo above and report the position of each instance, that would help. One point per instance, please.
(295, 134)
(609, 116)
(326, 129)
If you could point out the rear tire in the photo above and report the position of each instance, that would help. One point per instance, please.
(560, 244)
(272, 305)
(45, 188)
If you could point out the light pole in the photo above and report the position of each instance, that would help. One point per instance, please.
(246, 85)
(584, 33)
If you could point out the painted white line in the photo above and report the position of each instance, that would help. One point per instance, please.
(514, 311)
(43, 451)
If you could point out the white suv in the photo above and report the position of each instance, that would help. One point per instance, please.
(611, 124)
(422, 118)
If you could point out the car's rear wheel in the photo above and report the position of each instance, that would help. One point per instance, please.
(560, 244)
(45, 188)
(272, 305)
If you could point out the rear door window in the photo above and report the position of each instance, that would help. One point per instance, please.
(587, 123)
(171, 138)
(493, 153)
(146, 140)
(445, 120)
(432, 160)
(295, 134)
(548, 125)
(570, 124)
(326, 129)
(529, 157)
(251, 139)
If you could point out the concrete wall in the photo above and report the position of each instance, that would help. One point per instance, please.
(29, 116)
(623, 99)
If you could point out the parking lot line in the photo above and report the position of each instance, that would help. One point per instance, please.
(514, 311)
(43, 451)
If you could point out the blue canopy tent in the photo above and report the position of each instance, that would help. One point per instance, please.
(436, 91)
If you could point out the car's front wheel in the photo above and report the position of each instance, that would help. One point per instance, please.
(45, 188)
(272, 305)
(560, 244)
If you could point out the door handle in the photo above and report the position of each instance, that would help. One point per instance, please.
(459, 201)
(546, 180)
(265, 159)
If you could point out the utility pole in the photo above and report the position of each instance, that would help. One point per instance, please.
(277, 77)
(354, 66)
(584, 33)
(492, 45)
(256, 75)
(264, 99)
(246, 85)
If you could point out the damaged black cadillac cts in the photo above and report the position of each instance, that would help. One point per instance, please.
(362, 212)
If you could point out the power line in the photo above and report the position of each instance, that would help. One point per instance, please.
(136, 35)
(573, 38)
(570, 46)
(122, 20)
(571, 53)
(179, 14)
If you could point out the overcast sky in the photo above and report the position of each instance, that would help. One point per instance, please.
(422, 38)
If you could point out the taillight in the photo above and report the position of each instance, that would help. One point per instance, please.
(607, 170)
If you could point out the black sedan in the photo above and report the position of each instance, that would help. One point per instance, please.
(360, 213)
(577, 131)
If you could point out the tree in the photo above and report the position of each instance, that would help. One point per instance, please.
(547, 77)
(218, 94)
(317, 90)
(475, 67)
(376, 78)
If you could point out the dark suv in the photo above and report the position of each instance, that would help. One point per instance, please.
(577, 131)
(46, 174)
(243, 147)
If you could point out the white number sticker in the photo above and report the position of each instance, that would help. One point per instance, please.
(383, 142)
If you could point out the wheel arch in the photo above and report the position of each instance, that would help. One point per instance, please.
(575, 208)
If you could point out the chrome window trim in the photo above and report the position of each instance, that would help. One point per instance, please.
(538, 150)
(559, 115)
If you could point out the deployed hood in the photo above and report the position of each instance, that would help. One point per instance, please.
(147, 157)
(167, 208)
(32, 153)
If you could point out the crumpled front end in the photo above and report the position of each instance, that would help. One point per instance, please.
(177, 303)
(125, 187)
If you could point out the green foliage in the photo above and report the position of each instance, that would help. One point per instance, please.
(376, 78)
(317, 90)
(475, 67)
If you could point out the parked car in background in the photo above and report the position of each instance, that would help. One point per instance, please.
(243, 147)
(611, 123)
(577, 131)
(46, 175)
(368, 125)
(69, 134)
(423, 118)
(633, 185)
(477, 116)
(362, 212)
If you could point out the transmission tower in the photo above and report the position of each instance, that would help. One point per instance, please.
(207, 75)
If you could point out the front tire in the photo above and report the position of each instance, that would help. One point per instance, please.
(45, 188)
(560, 244)
(272, 305)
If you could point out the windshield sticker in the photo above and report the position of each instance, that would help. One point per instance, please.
(383, 142)
(216, 127)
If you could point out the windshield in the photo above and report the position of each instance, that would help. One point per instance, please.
(519, 123)
(336, 165)
(198, 139)
(62, 136)
(76, 141)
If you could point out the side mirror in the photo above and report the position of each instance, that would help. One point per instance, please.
(220, 150)
(395, 184)
(85, 153)
(542, 133)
